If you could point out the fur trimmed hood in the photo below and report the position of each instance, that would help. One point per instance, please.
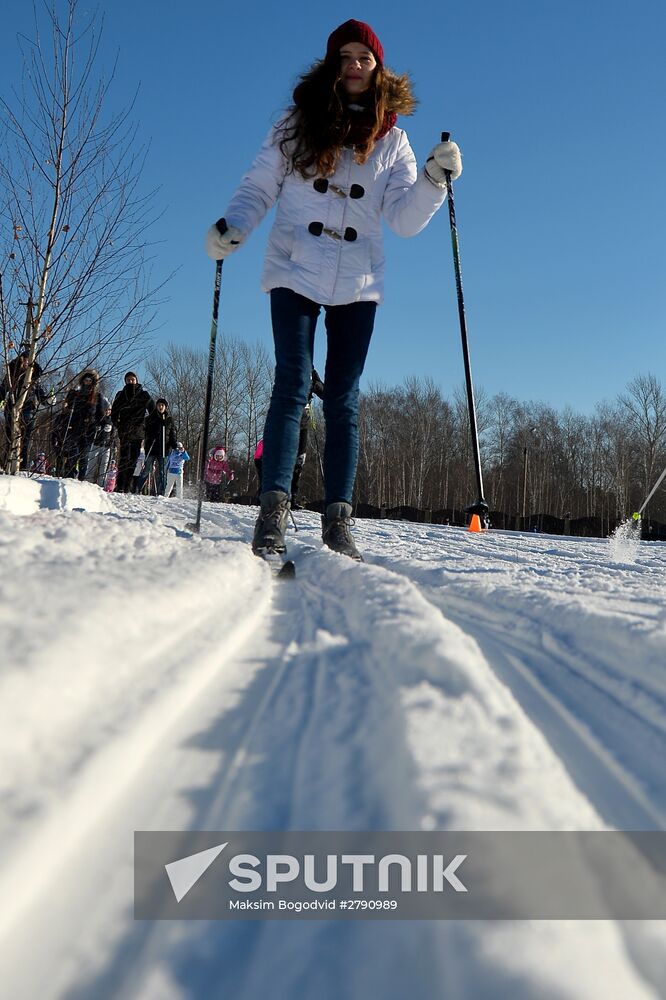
(89, 371)
(401, 100)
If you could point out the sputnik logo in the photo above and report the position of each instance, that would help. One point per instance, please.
(186, 872)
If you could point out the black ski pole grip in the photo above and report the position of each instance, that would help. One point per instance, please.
(445, 138)
(221, 226)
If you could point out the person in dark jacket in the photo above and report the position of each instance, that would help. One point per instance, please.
(83, 410)
(316, 389)
(128, 414)
(10, 390)
(159, 439)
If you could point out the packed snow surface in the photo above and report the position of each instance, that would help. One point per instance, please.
(155, 679)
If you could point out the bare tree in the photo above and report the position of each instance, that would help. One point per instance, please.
(257, 370)
(241, 390)
(73, 214)
(644, 405)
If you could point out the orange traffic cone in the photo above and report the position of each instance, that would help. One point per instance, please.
(475, 523)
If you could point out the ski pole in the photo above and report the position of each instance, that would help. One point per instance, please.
(637, 515)
(196, 526)
(480, 507)
(314, 431)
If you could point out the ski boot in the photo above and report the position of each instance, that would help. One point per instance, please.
(271, 526)
(336, 530)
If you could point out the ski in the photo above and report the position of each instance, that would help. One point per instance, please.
(283, 568)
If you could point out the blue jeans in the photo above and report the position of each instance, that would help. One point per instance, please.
(348, 331)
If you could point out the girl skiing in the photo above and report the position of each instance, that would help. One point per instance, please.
(335, 164)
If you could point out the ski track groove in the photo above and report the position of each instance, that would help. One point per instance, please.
(316, 729)
(180, 696)
(512, 655)
(306, 768)
(575, 687)
(532, 646)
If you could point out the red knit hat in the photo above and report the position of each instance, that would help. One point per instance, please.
(354, 31)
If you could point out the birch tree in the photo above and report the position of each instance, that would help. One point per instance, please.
(76, 284)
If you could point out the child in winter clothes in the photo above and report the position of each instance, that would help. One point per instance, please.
(217, 474)
(258, 463)
(40, 467)
(175, 465)
(335, 164)
(100, 450)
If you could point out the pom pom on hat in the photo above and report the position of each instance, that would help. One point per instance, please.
(354, 31)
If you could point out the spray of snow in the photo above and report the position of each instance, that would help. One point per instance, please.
(625, 541)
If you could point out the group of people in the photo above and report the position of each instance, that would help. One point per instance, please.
(126, 443)
(148, 448)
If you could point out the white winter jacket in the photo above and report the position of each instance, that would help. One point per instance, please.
(326, 242)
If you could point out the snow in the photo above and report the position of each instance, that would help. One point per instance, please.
(152, 679)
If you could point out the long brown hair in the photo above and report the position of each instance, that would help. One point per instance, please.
(320, 123)
(92, 393)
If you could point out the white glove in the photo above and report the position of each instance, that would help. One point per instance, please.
(445, 156)
(219, 246)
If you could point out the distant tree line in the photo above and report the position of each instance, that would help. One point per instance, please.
(416, 451)
(415, 448)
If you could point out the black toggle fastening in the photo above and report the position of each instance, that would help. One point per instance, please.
(321, 185)
(317, 228)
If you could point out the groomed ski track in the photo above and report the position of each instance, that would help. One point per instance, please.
(452, 681)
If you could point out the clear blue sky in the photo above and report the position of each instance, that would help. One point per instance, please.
(559, 111)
